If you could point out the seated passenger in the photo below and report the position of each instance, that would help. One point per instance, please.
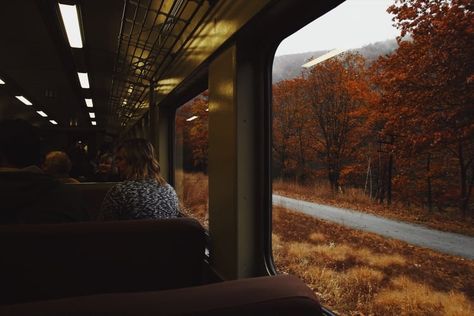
(58, 164)
(27, 194)
(82, 167)
(106, 171)
(144, 194)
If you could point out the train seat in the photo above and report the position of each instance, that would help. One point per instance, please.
(279, 295)
(50, 261)
(92, 194)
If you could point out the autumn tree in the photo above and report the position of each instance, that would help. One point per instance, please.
(291, 129)
(427, 89)
(192, 134)
(339, 93)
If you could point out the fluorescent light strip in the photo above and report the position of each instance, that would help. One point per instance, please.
(42, 113)
(83, 79)
(91, 114)
(2, 82)
(94, 123)
(89, 103)
(192, 118)
(71, 23)
(23, 99)
(53, 122)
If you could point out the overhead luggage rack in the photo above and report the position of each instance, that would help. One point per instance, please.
(152, 35)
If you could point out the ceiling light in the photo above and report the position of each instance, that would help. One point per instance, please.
(53, 122)
(192, 118)
(23, 99)
(94, 123)
(91, 114)
(89, 103)
(83, 79)
(42, 113)
(324, 57)
(71, 23)
(2, 82)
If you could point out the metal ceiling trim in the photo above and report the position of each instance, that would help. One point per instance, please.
(144, 52)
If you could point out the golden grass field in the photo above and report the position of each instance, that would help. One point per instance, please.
(355, 272)
(359, 273)
(194, 196)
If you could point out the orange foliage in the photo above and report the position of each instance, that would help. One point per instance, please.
(427, 98)
(192, 136)
(320, 120)
(403, 129)
(292, 124)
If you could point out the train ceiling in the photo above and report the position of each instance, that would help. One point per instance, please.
(127, 48)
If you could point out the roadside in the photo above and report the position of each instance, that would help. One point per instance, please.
(360, 273)
(446, 242)
(356, 200)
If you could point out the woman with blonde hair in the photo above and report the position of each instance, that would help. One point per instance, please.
(144, 194)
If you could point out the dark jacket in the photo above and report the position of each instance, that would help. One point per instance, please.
(29, 197)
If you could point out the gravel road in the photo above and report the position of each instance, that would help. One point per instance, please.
(450, 243)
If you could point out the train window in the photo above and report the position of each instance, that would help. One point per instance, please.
(191, 145)
(372, 157)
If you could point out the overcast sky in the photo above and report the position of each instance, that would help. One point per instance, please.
(352, 24)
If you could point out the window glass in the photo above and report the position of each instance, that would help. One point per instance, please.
(372, 157)
(191, 145)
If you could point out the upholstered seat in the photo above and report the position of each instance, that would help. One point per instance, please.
(53, 261)
(280, 295)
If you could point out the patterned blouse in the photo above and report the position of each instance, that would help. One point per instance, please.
(142, 199)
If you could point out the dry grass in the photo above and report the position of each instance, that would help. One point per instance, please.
(193, 190)
(321, 191)
(404, 296)
(357, 273)
(353, 198)
(317, 237)
(353, 272)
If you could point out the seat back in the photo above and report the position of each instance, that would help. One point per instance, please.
(53, 261)
(92, 194)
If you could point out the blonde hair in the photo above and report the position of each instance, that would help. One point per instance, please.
(57, 163)
(140, 157)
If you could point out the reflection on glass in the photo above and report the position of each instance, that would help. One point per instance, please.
(191, 150)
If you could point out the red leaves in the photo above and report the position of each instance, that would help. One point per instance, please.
(426, 95)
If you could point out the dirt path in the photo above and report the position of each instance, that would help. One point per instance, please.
(450, 243)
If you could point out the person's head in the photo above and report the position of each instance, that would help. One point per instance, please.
(57, 163)
(105, 163)
(135, 160)
(19, 144)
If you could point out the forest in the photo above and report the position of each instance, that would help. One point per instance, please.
(399, 128)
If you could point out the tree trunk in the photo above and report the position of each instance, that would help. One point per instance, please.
(429, 189)
(381, 185)
(462, 170)
(389, 179)
(367, 177)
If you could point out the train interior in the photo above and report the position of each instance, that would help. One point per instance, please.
(123, 75)
(292, 132)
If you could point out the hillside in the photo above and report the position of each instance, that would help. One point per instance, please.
(289, 66)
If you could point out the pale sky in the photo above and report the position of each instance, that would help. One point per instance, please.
(352, 24)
